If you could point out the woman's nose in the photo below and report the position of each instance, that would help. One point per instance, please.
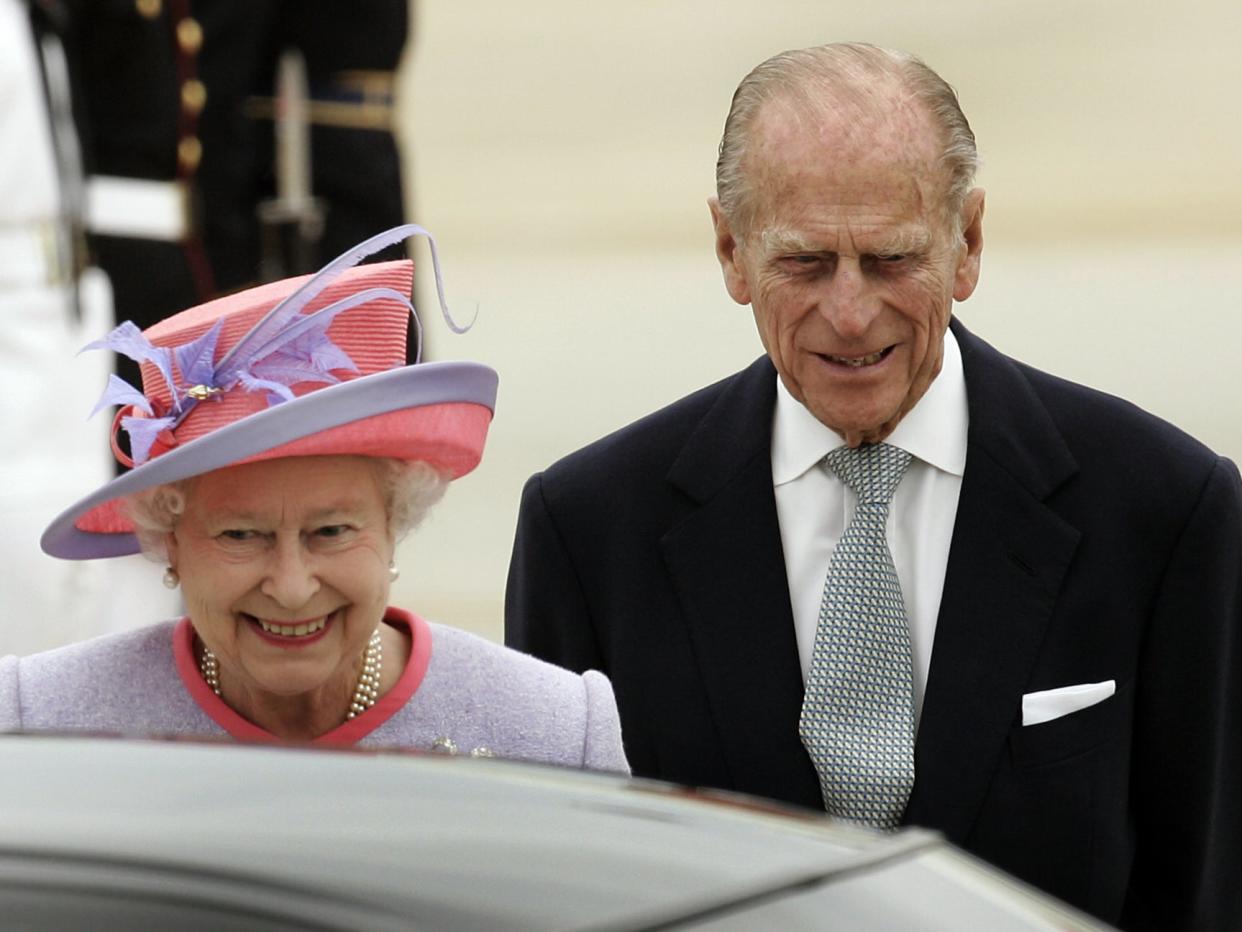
(291, 580)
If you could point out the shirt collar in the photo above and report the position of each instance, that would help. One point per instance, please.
(934, 431)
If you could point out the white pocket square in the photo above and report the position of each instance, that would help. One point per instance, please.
(1047, 704)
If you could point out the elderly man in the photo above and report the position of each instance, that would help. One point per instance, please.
(888, 571)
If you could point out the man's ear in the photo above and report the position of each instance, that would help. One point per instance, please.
(966, 276)
(728, 252)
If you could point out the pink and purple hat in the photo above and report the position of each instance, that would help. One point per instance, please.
(309, 366)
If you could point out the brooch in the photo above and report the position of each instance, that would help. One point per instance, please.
(449, 746)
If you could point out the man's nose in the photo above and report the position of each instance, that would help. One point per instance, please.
(848, 301)
(291, 579)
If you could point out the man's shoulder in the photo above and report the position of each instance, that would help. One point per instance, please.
(1104, 434)
(1077, 409)
(1083, 412)
(654, 441)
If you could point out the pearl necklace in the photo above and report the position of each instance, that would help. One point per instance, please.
(365, 693)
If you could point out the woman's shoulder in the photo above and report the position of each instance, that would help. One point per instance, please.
(468, 653)
(477, 663)
(98, 655)
(477, 693)
(90, 684)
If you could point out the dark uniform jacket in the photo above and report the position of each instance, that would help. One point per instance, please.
(1092, 542)
(181, 90)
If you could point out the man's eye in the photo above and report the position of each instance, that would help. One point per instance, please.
(802, 262)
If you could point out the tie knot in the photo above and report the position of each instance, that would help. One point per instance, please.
(872, 470)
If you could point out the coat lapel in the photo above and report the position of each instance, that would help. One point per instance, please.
(727, 565)
(1008, 556)
(1006, 563)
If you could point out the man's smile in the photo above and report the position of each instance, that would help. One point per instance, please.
(858, 362)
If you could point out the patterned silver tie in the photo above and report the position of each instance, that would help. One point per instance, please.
(858, 712)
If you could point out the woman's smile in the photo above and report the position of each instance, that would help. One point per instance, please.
(292, 633)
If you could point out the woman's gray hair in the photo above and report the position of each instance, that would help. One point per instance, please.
(846, 71)
(154, 513)
(409, 490)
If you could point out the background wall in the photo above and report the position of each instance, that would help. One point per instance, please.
(562, 152)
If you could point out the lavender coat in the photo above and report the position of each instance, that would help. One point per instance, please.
(475, 693)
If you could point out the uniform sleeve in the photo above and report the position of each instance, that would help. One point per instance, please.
(602, 748)
(10, 699)
(546, 610)
(352, 53)
(1188, 744)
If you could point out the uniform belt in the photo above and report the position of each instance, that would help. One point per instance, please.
(29, 255)
(137, 208)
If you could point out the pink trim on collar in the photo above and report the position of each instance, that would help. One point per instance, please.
(347, 733)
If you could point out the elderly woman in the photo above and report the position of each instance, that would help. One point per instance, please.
(281, 448)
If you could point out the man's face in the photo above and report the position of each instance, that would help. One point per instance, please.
(850, 262)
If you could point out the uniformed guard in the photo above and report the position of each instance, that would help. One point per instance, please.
(177, 119)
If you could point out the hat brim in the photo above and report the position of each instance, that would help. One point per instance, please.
(358, 417)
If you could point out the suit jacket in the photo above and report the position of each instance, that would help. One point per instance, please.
(474, 694)
(1092, 542)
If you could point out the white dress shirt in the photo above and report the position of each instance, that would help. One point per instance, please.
(814, 507)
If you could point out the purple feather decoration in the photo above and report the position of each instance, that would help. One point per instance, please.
(288, 371)
(285, 348)
(142, 433)
(306, 331)
(195, 360)
(276, 391)
(325, 355)
(129, 341)
(120, 392)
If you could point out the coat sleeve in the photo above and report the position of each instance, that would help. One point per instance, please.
(546, 610)
(602, 748)
(10, 699)
(1188, 743)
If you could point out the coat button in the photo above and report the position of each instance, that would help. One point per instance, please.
(189, 153)
(444, 746)
(193, 96)
(189, 33)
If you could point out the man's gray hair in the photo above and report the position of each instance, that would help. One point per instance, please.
(841, 71)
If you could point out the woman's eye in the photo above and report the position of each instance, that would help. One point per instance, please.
(333, 530)
(237, 534)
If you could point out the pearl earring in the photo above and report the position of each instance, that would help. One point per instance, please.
(393, 573)
(171, 579)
